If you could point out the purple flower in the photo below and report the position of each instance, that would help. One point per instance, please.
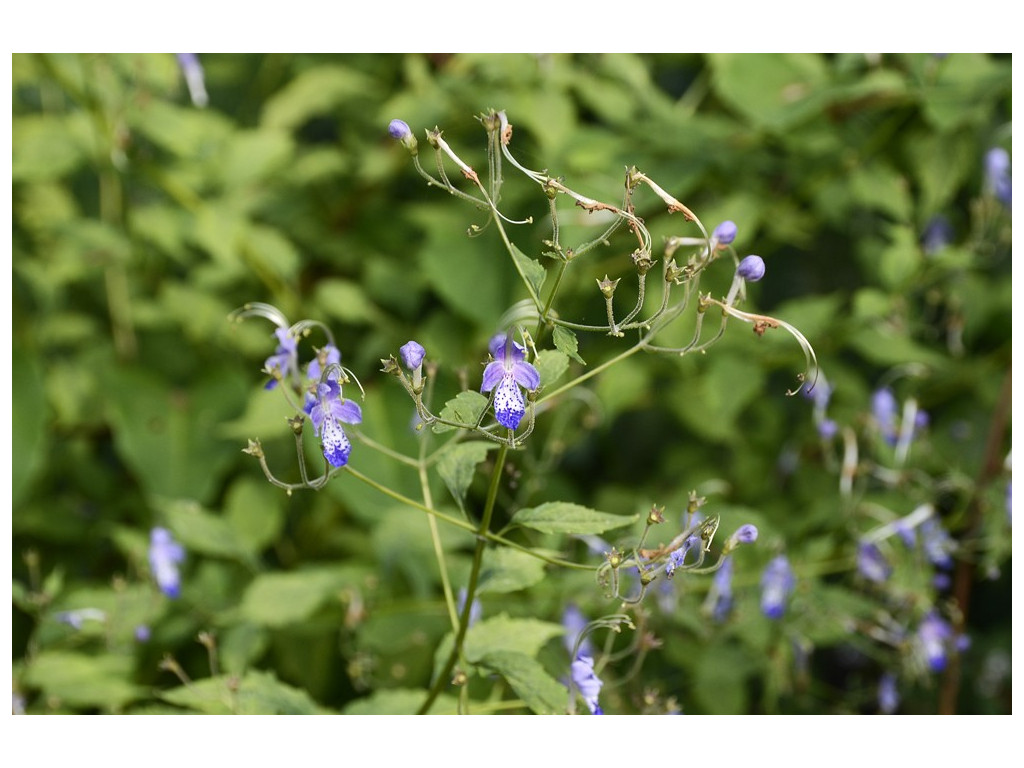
(412, 353)
(285, 358)
(399, 129)
(827, 429)
(777, 582)
(997, 174)
(938, 233)
(871, 563)
(76, 619)
(327, 411)
(142, 633)
(884, 409)
(938, 545)
(508, 371)
(720, 593)
(745, 534)
(587, 682)
(751, 268)
(329, 355)
(724, 233)
(165, 554)
(575, 622)
(678, 556)
(888, 696)
(933, 638)
(193, 72)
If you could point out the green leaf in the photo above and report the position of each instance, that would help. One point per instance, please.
(566, 341)
(45, 147)
(258, 693)
(28, 421)
(531, 683)
(502, 633)
(551, 364)
(458, 465)
(281, 599)
(508, 570)
(465, 408)
(531, 269)
(255, 511)
(201, 531)
(270, 253)
(346, 301)
(317, 91)
(566, 517)
(400, 701)
(79, 680)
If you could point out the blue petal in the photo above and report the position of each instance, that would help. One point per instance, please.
(335, 443)
(493, 373)
(509, 406)
(525, 374)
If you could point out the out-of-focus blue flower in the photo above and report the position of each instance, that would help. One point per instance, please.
(997, 174)
(888, 695)
(938, 545)
(777, 582)
(724, 233)
(871, 563)
(745, 534)
(884, 408)
(285, 358)
(328, 410)
(720, 594)
(827, 428)
(509, 371)
(933, 638)
(77, 618)
(326, 357)
(142, 633)
(751, 268)
(412, 353)
(165, 555)
(475, 610)
(575, 622)
(938, 233)
(588, 683)
(194, 79)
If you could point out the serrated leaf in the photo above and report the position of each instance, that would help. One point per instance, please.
(458, 465)
(508, 570)
(258, 693)
(531, 683)
(552, 365)
(465, 408)
(566, 341)
(565, 517)
(531, 269)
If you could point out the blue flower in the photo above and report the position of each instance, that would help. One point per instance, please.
(329, 355)
(751, 268)
(678, 556)
(888, 696)
(285, 358)
(938, 233)
(997, 174)
(724, 233)
(938, 545)
(193, 72)
(871, 563)
(575, 622)
(475, 610)
(884, 408)
(142, 633)
(412, 353)
(327, 411)
(777, 582)
(165, 554)
(587, 682)
(933, 638)
(720, 594)
(508, 371)
(76, 619)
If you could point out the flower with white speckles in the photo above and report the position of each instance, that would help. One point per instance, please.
(505, 375)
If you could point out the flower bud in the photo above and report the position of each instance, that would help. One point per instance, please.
(400, 131)
(724, 233)
(412, 353)
(751, 268)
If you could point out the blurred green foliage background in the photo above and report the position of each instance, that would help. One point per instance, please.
(142, 220)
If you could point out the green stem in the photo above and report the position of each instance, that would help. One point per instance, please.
(593, 371)
(474, 577)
